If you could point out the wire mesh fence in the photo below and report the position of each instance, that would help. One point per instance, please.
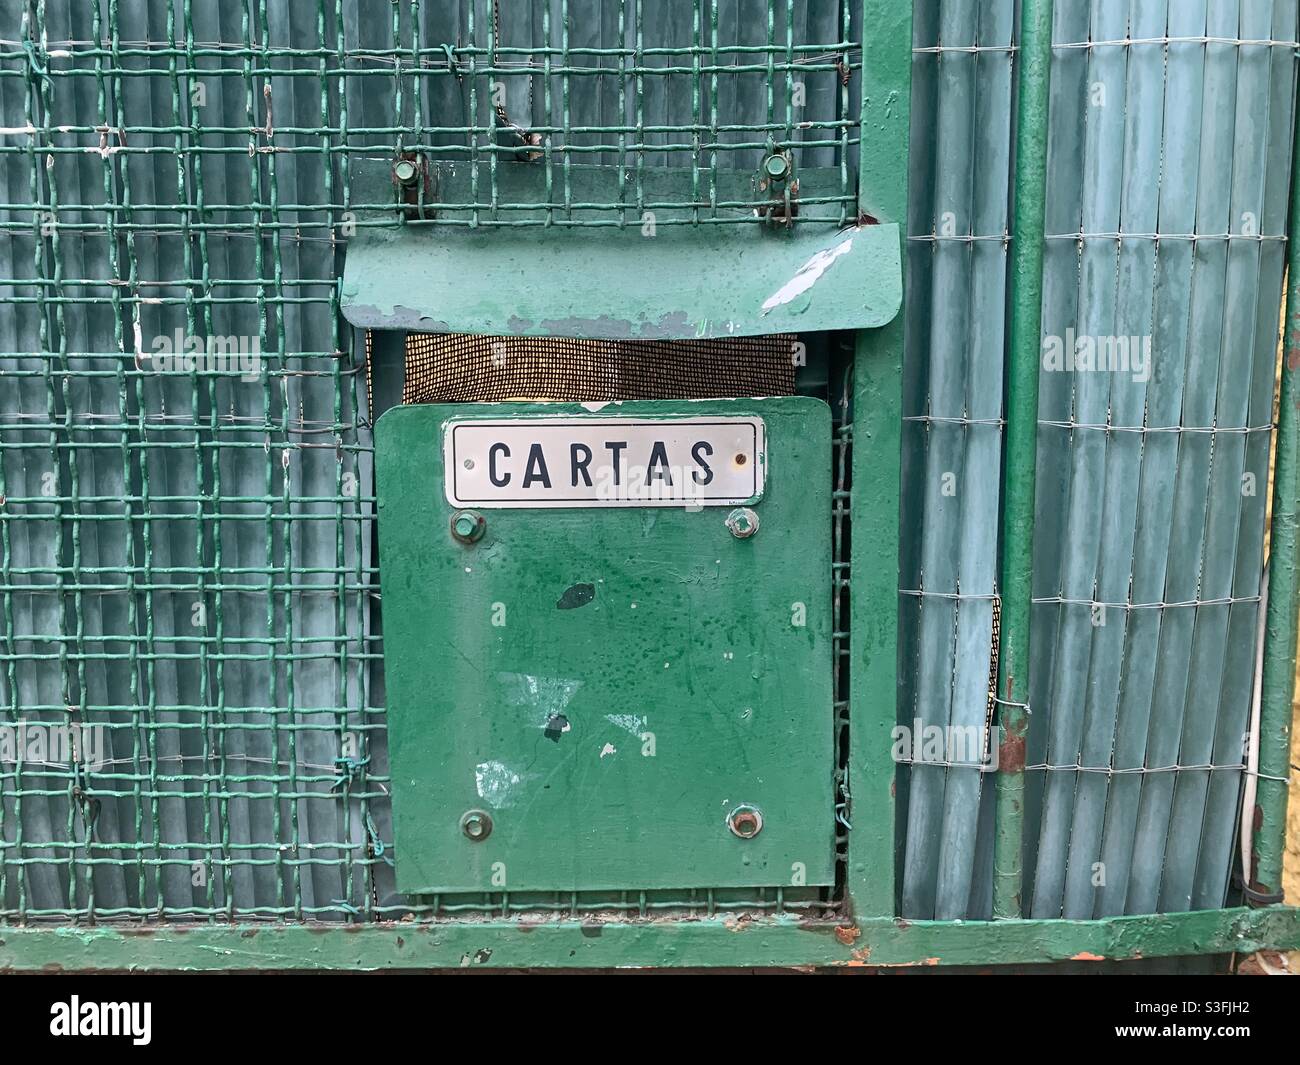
(191, 646)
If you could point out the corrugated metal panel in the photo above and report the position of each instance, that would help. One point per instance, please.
(1150, 535)
(956, 337)
(1130, 695)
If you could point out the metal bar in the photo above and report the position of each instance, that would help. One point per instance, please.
(715, 941)
(1280, 655)
(877, 428)
(1021, 446)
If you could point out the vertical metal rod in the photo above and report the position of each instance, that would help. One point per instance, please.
(1280, 648)
(1035, 52)
(886, 36)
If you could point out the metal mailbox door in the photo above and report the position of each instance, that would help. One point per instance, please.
(594, 690)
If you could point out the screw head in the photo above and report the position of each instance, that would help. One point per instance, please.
(745, 821)
(467, 526)
(405, 171)
(476, 824)
(743, 523)
(777, 167)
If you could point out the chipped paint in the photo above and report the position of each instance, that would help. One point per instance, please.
(629, 723)
(609, 748)
(496, 784)
(807, 275)
(544, 697)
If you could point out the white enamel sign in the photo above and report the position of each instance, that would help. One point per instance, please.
(604, 462)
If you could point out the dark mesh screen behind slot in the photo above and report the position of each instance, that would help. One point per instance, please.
(462, 368)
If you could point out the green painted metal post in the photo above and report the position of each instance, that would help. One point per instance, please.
(1021, 447)
(877, 453)
(1280, 654)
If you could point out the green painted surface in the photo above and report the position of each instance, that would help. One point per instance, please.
(526, 671)
(876, 459)
(621, 284)
(595, 943)
(1021, 450)
(1278, 682)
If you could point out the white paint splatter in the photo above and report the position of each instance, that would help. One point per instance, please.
(496, 783)
(807, 275)
(609, 748)
(628, 723)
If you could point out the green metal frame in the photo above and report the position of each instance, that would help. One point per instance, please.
(716, 942)
(877, 449)
(1283, 591)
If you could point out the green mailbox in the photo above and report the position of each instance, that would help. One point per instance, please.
(608, 637)
(614, 398)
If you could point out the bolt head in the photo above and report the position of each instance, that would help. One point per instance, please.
(743, 523)
(476, 825)
(745, 821)
(467, 526)
(405, 171)
(777, 167)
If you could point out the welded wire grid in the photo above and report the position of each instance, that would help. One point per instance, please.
(186, 558)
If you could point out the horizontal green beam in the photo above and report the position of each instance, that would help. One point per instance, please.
(724, 942)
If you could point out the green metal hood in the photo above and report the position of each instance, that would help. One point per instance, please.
(609, 283)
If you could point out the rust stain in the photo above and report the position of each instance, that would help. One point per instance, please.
(847, 934)
(860, 958)
(1084, 955)
(1011, 755)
